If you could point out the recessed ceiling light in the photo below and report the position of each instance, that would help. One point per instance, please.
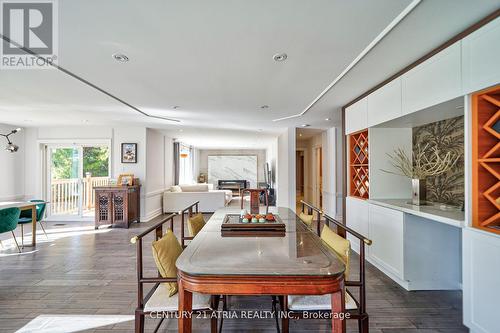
(264, 107)
(120, 57)
(327, 119)
(175, 107)
(280, 57)
(306, 125)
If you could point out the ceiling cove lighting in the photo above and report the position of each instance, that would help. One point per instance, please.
(360, 56)
(90, 84)
(10, 146)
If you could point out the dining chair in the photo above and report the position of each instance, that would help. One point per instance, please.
(297, 305)
(157, 303)
(25, 217)
(8, 222)
(188, 212)
(307, 214)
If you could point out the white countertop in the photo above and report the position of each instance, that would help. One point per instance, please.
(437, 212)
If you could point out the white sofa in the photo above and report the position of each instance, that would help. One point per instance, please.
(181, 196)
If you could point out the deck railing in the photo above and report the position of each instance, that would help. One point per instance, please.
(65, 194)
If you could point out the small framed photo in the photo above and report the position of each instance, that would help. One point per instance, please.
(125, 179)
(129, 152)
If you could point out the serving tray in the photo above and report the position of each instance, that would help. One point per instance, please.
(232, 225)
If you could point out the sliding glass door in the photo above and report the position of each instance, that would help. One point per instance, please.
(73, 172)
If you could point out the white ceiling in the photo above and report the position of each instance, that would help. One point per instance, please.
(214, 60)
(304, 134)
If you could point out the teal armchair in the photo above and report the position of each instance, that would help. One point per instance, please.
(8, 221)
(25, 217)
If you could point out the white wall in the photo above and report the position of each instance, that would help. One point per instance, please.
(285, 185)
(12, 165)
(329, 138)
(155, 173)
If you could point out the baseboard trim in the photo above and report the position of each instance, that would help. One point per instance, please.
(151, 215)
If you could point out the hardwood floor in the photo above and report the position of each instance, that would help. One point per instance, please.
(85, 272)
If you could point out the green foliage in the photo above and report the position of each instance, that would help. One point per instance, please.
(65, 162)
(96, 161)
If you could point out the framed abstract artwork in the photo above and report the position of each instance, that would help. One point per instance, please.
(129, 152)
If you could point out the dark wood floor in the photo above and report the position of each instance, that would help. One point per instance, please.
(83, 272)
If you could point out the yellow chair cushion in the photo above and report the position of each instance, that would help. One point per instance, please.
(195, 224)
(340, 245)
(306, 218)
(166, 250)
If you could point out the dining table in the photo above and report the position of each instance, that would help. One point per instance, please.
(24, 205)
(298, 263)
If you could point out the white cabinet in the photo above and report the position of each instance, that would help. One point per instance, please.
(436, 80)
(481, 273)
(357, 219)
(385, 103)
(356, 117)
(386, 232)
(481, 58)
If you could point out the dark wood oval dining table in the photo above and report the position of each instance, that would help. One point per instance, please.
(299, 263)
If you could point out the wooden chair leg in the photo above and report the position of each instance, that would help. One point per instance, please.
(363, 325)
(15, 240)
(276, 312)
(139, 322)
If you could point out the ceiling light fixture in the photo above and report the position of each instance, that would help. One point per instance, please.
(175, 107)
(327, 119)
(264, 107)
(305, 125)
(10, 146)
(120, 57)
(280, 57)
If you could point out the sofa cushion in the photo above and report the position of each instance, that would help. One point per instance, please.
(194, 188)
(175, 188)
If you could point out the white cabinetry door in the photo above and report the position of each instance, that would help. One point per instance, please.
(386, 232)
(385, 103)
(481, 58)
(481, 273)
(357, 219)
(356, 117)
(436, 80)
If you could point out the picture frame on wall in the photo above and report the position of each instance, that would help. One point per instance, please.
(129, 152)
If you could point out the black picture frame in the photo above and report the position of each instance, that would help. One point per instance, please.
(129, 152)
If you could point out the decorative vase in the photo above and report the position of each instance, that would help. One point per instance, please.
(419, 189)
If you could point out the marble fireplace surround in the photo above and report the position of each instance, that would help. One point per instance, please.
(232, 167)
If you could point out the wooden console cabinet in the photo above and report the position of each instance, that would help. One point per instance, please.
(117, 205)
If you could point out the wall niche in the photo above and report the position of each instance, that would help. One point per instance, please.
(447, 135)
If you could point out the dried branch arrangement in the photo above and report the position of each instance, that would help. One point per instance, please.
(421, 166)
